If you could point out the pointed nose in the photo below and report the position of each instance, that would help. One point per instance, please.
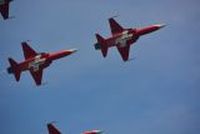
(73, 50)
(160, 25)
(94, 132)
(98, 131)
(60, 54)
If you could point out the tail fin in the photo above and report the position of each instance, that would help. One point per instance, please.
(102, 44)
(14, 69)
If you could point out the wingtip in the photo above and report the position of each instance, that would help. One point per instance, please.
(125, 60)
(104, 55)
(24, 43)
(52, 122)
(114, 16)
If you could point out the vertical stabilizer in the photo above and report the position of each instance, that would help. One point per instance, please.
(102, 43)
(14, 69)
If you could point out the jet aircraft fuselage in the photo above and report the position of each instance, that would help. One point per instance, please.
(35, 62)
(53, 130)
(122, 38)
(42, 60)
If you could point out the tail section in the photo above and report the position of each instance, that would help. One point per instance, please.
(14, 69)
(101, 44)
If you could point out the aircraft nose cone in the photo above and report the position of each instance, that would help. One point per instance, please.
(74, 50)
(160, 25)
(98, 131)
(94, 132)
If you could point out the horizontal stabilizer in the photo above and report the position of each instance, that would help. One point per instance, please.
(102, 44)
(14, 69)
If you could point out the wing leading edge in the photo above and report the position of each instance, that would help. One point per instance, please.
(28, 51)
(115, 27)
(124, 52)
(37, 76)
(52, 129)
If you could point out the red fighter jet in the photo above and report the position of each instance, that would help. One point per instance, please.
(122, 38)
(35, 62)
(4, 8)
(53, 130)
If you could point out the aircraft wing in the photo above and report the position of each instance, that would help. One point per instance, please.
(124, 52)
(37, 76)
(28, 51)
(4, 9)
(115, 27)
(52, 129)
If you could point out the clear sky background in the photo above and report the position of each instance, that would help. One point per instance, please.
(157, 93)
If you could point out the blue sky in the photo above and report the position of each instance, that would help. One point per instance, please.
(157, 93)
